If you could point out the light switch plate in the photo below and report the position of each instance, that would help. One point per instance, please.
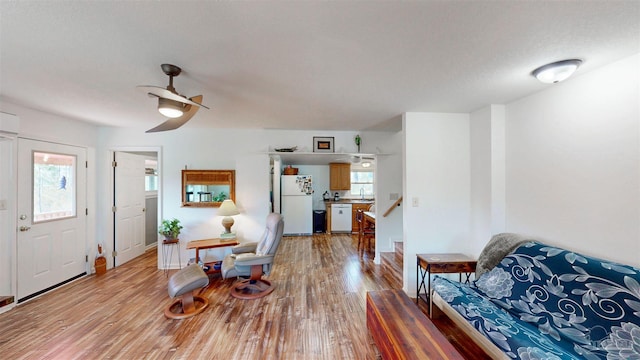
(3, 204)
(415, 202)
(394, 196)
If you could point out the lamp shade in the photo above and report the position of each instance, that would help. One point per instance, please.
(228, 208)
(170, 108)
(556, 71)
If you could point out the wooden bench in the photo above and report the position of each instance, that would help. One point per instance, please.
(402, 331)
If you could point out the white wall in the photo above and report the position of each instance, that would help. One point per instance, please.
(39, 125)
(573, 163)
(437, 175)
(239, 149)
(388, 181)
(487, 130)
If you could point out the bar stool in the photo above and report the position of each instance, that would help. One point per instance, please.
(167, 254)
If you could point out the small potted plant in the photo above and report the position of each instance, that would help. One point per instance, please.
(170, 229)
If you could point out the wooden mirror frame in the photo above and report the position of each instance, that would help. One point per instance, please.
(208, 177)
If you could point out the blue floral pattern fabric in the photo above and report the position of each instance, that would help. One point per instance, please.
(578, 306)
(517, 339)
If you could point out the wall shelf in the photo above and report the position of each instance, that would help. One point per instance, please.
(315, 158)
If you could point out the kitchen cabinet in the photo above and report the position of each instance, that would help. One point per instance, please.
(355, 205)
(355, 226)
(339, 176)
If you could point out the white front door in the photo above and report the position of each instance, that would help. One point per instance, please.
(51, 247)
(129, 207)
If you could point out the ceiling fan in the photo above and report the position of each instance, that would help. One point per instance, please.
(357, 159)
(178, 108)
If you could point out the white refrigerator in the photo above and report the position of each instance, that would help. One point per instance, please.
(297, 204)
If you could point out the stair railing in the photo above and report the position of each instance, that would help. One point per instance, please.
(395, 204)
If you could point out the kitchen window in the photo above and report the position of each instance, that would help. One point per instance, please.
(362, 184)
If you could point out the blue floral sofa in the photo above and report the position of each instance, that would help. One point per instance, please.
(544, 302)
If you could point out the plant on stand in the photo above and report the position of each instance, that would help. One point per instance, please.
(170, 229)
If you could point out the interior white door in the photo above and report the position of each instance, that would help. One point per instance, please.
(52, 183)
(129, 207)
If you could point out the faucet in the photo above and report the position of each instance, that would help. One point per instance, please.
(362, 193)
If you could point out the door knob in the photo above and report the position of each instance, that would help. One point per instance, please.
(24, 228)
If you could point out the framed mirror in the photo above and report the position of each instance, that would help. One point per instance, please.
(207, 188)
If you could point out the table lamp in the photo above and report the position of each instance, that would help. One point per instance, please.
(227, 209)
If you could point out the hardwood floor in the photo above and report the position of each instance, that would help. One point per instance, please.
(317, 311)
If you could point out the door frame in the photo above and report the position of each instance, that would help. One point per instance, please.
(11, 201)
(90, 219)
(109, 223)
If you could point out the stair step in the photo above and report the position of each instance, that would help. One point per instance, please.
(398, 247)
(392, 269)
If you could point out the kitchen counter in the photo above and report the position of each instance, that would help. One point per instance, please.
(357, 204)
(350, 201)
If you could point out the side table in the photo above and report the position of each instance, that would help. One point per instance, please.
(440, 264)
(210, 244)
(167, 254)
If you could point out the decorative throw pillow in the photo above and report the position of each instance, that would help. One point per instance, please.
(497, 248)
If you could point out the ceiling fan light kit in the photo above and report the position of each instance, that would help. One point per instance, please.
(556, 71)
(179, 109)
(170, 108)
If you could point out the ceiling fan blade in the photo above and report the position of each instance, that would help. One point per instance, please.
(161, 92)
(175, 123)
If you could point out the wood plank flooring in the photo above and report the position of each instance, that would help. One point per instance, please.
(317, 311)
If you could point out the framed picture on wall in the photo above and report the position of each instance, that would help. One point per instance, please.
(323, 144)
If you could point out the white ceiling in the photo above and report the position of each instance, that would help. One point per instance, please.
(297, 65)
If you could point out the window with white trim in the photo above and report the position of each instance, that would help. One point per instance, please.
(362, 183)
(54, 186)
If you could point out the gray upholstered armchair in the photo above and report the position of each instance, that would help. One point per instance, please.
(252, 260)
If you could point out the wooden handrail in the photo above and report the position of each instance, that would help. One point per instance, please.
(397, 203)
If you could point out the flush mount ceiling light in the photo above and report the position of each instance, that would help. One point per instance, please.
(556, 71)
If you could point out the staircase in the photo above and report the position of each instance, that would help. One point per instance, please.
(392, 265)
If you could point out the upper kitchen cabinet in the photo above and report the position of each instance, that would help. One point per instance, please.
(340, 176)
